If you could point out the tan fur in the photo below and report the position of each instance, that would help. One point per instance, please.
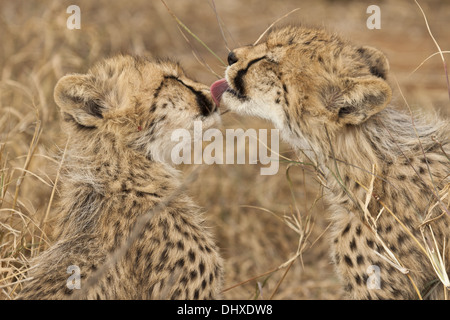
(329, 98)
(119, 117)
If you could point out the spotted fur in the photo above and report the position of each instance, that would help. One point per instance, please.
(330, 101)
(119, 117)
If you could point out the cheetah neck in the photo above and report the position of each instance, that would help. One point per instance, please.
(387, 137)
(358, 151)
(103, 179)
(104, 162)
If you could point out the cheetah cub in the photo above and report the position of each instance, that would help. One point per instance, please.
(119, 117)
(387, 180)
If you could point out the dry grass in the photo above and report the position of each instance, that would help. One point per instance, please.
(272, 230)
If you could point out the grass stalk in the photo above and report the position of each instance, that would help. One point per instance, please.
(193, 34)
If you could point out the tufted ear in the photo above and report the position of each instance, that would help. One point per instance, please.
(356, 99)
(376, 60)
(366, 97)
(75, 96)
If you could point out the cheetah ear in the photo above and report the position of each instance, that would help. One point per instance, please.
(75, 96)
(376, 60)
(363, 98)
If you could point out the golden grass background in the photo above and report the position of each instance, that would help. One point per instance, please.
(244, 209)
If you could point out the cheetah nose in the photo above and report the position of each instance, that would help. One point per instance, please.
(232, 58)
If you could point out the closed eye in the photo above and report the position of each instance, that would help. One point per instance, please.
(271, 60)
(239, 79)
(206, 107)
(254, 61)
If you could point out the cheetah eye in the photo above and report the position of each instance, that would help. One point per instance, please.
(271, 60)
(203, 103)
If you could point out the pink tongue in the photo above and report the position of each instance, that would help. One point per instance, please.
(217, 90)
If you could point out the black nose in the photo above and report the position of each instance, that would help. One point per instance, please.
(232, 58)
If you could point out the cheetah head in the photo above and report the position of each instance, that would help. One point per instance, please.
(136, 101)
(301, 79)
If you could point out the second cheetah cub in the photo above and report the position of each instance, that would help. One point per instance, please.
(119, 117)
(387, 177)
